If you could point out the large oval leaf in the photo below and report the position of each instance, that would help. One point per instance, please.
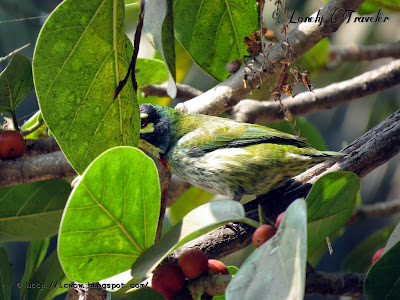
(213, 31)
(81, 55)
(277, 268)
(330, 204)
(196, 223)
(32, 211)
(111, 216)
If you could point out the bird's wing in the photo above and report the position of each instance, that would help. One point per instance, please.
(210, 137)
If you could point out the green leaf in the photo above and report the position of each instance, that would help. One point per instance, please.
(330, 204)
(111, 215)
(6, 276)
(359, 259)
(81, 55)
(382, 280)
(317, 57)
(213, 32)
(189, 200)
(32, 211)
(159, 28)
(276, 268)
(51, 278)
(307, 130)
(15, 83)
(145, 294)
(370, 6)
(196, 223)
(36, 253)
(150, 71)
(36, 126)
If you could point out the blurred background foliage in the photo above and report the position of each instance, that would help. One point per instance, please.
(20, 23)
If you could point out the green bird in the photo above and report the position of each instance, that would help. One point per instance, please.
(223, 156)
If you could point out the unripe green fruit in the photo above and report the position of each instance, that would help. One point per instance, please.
(263, 234)
(193, 263)
(377, 255)
(279, 219)
(217, 267)
(168, 280)
(12, 145)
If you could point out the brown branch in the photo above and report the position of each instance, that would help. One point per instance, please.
(41, 146)
(184, 91)
(317, 283)
(364, 53)
(335, 284)
(374, 81)
(35, 168)
(381, 209)
(368, 152)
(210, 284)
(298, 41)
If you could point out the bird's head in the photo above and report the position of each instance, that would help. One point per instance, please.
(155, 133)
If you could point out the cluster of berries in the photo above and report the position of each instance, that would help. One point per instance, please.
(12, 144)
(169, 279)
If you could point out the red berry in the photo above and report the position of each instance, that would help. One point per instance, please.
(263, 234)
(12, 145)
(168, 280)
(377, 255)
(193, 263)
(217, 267)
(279, 219)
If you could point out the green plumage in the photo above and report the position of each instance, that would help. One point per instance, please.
(223, 156)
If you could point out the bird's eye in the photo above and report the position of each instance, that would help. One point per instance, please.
(144, 123)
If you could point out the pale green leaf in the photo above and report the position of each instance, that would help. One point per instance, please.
(276, 268)
(196, 223)
(159, 28)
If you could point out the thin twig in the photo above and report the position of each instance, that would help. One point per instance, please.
(13, 52)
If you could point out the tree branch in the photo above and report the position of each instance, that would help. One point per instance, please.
(184, 91)
(374, 81)
(34, 168)
(364, 53)
(368, 152)
(381, 209)
(301, 39)
(317, 283)
(41, 146)
(335, 284)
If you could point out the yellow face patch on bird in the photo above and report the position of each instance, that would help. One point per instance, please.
(145, 126)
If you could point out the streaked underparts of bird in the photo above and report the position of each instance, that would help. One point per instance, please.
(223, 156)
